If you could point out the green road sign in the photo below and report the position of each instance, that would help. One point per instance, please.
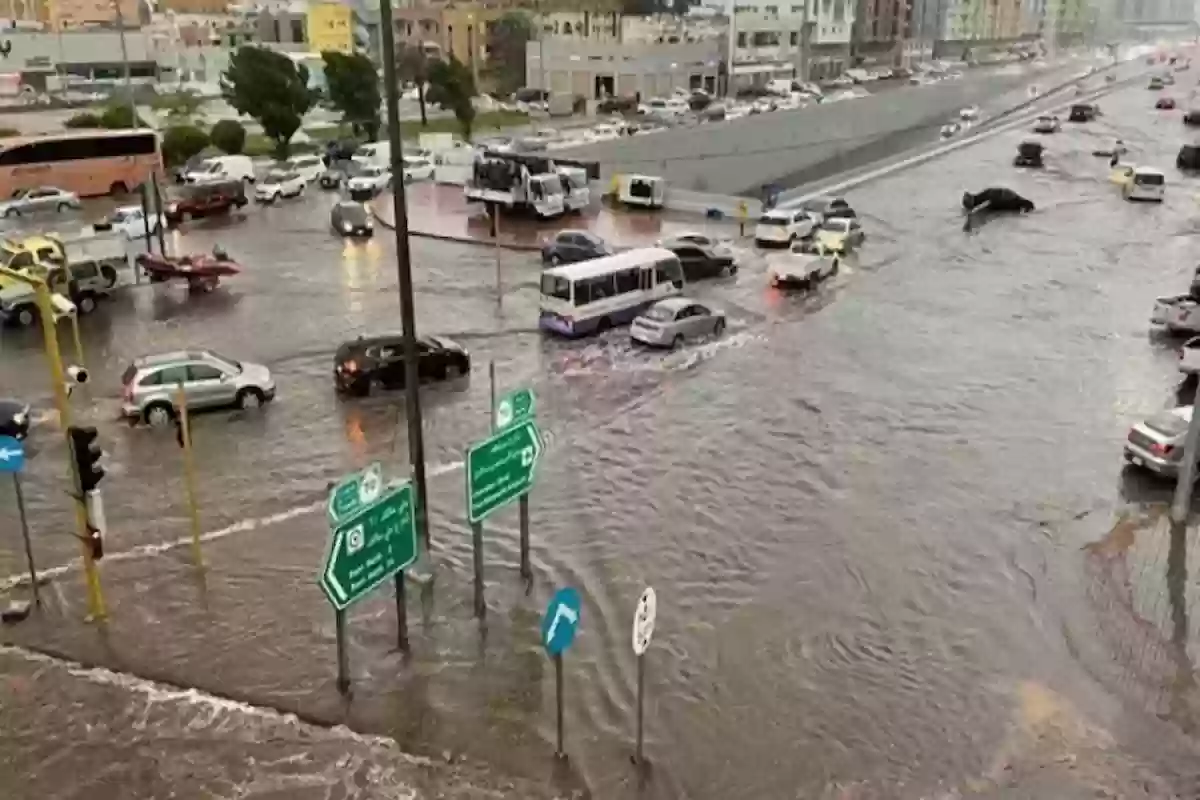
(354, 493)
(514, 408)
(370, 547)
(500, 469)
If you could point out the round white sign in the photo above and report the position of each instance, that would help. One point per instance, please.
(643, 621)
(371, 485)
(504, 414)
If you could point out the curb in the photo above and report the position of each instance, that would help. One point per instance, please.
(386, 221)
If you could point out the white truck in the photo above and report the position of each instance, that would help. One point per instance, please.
(521, 183)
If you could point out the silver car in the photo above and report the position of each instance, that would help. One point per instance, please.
(151, 384)
(668, 323)
(1157, 443)
(42, 198)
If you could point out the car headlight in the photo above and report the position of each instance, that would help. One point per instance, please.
(347, 227)
(20, 418)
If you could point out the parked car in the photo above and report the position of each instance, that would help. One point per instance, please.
(349, 218)
(670, 322)
(1157, 443)
(417, 168)
(14, 418)
(43, 198)
(131, 222)
(360, 364)
(279, 184)
(1047, 124)
(783, 226)
(571, 246)
(203, 200)
(699, 261)
(308, 167)
(370, 181)
(1165, 104)
(150, 384)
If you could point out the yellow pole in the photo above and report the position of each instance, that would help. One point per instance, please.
(95, 593)
(78, 341)
(189, 473)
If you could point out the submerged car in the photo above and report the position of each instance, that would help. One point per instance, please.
(1157, 443)
(670, 322)
(279, 184)
(379, 360)
(1165, 104)
(1191, 117)
(839, 234)
(802, 269)
(1029, 154)
(42, 198)
(209, 380)
(1084, 112)
(1047, 124)
(349, 218)
(1188, 157)
(702, 261)
(572, 246)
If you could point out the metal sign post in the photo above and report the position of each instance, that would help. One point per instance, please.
(559, 625)
(184, 439)
(643, 631)
(515, 408)
(12, 460)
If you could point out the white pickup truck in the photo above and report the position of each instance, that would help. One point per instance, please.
(1177, 314)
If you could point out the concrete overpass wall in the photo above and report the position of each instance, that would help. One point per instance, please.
(739, 156)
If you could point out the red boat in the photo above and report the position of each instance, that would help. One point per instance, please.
(203, 272)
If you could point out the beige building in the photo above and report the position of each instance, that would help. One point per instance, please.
(69, 14)
(31, 12)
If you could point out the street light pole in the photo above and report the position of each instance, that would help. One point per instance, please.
(412, 398)
(125, 60)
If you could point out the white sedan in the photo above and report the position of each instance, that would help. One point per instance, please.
(309, 167)
(370, 181)
(782, 227)
(417, 168)
(42, 198)
(131, 222)
(279, 184)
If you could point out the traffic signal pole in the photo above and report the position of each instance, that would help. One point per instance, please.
(96, 607)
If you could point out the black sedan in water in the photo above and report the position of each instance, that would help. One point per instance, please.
(14, 418)
(571, 246)
(351, 219)
(370, 360)
(702, 261)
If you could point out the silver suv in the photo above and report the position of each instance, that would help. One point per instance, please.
(151, 384)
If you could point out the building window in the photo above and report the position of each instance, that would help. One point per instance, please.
(794, 38)
(741, 39)
(278, 30)
(297, 30)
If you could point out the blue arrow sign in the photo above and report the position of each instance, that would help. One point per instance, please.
(12, 454)
(561, 621)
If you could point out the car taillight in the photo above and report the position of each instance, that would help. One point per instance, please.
(349, 366)
(1161, 449)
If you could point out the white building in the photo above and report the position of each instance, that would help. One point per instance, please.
(771, 39)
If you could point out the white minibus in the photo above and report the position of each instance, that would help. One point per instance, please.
(592, 296)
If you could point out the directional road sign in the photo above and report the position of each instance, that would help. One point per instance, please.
(561, 621)
(514, 408)
(354, 493)
(370, 547)
(500, 469)
(643, 621)
(12, 454)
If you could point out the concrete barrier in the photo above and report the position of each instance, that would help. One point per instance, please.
(740, 156)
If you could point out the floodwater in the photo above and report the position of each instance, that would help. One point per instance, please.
(895, 551)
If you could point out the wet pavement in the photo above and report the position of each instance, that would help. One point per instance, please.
(894, 548)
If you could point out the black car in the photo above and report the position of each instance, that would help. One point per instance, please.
(1189, 157)
(14, 418)
(1192, 117)
(336, 151)
(1083, 112)
(1029, 154)
(571, 246)
(380, 360)
(700, 262)
(351, 219)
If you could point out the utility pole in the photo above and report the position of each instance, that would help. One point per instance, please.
(805, 44)
(412, 397)
(731, 50)
(133, 117)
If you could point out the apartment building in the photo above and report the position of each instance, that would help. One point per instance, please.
(988, 20)
(596, 70)
(74, 14)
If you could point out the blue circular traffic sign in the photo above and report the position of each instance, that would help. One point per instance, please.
(561, 621)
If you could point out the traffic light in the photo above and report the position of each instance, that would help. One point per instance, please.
(86, 453)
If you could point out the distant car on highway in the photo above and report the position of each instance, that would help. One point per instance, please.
(671, 322)
(14, 418)
(572, 246)
(379, 360)
(1047, 124)
(279, 184)
(349, 218)
(1157, 443)
(43, 198)
(1165, 104)
(150, 384)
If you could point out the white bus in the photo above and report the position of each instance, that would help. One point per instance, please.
(593, 296)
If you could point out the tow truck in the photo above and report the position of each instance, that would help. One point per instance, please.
(532, 184)
(79, 270)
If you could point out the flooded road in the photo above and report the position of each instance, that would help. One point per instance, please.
(894, 549)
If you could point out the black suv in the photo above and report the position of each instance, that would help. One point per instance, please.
(1189, 157)
(1083, 112)
(380, 359)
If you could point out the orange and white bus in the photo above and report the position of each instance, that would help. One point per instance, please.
(89, 163)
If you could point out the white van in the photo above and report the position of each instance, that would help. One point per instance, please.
(1146, 184)
(593, 296)
(222, 168)
(373, 154)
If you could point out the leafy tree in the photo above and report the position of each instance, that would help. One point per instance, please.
(179, 105)
(412, 65)
(270, 88)
(452, 86)
(84, 119)
(181, 142)
(116, 117)
(354, 90)
(229, 136)
(506, 43)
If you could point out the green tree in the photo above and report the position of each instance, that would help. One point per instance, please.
(412, 65)
(181, 142)
(506, 46)
(120, 116)
(270, 88)
(178, 106)
(354, 90)
(84, 119)
(452, 86)
(229, 136)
